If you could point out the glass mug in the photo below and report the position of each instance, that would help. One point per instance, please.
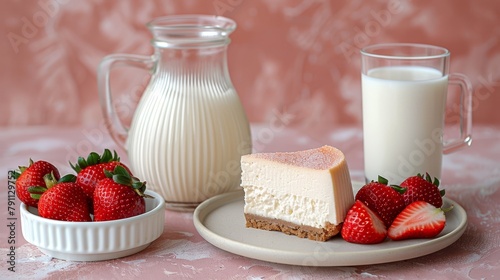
(404, 91)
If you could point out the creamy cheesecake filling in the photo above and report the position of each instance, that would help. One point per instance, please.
(291, 208)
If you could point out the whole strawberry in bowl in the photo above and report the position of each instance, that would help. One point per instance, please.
(32, 176)
(61, 200)
(90, 170)
(118, 196)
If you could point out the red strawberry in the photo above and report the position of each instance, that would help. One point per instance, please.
(119, 196)
(63, 200)
(420, 188)
(91, 170)
(420, 219)
(382, 199)
(362, 225)
(32, 176)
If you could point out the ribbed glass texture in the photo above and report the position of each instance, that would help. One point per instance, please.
(189, 130)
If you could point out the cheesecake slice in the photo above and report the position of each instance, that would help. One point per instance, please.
(305, 193)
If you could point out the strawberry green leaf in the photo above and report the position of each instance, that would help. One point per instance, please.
(93, 158)
(106, 156)
(75, 167)
(121, 170)
(120, 175)
(442, 192)
(36, 196)
(436, 182)
(108, 173)
(36, 191)
(67, 178)
(139, 185)
(82, 162)
(122, 179)
(382, 180)
(428, 177)
(399, 189)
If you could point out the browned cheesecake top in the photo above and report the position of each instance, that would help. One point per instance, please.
(322, 158)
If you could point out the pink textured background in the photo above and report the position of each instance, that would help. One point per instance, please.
(297, 57)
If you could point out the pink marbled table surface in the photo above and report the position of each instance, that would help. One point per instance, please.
(471, 178)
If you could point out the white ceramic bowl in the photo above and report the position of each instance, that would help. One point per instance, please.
(94, 241)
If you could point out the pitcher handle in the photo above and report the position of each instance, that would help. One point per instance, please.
(465, 110)
(117, 130)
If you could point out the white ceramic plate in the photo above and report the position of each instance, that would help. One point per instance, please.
(221, 222)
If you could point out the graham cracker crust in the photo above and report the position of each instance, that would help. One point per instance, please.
(318, 234)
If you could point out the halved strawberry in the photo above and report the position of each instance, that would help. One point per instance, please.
(383, 199)
(422, 188)
(420, 219)
(31, 176)
(363, 226)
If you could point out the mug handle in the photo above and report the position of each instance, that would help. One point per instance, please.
(117, 130)
(465, 110)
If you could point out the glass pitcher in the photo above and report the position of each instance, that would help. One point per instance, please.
(189, 129)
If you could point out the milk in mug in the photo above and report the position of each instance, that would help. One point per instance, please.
(403, 119)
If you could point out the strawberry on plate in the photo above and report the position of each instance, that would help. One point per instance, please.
(32, 176)
(386, 201)
(91, 170)
(363, 226)
(61, 200)
(420, 219)
(422, 188)
(119, 196)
